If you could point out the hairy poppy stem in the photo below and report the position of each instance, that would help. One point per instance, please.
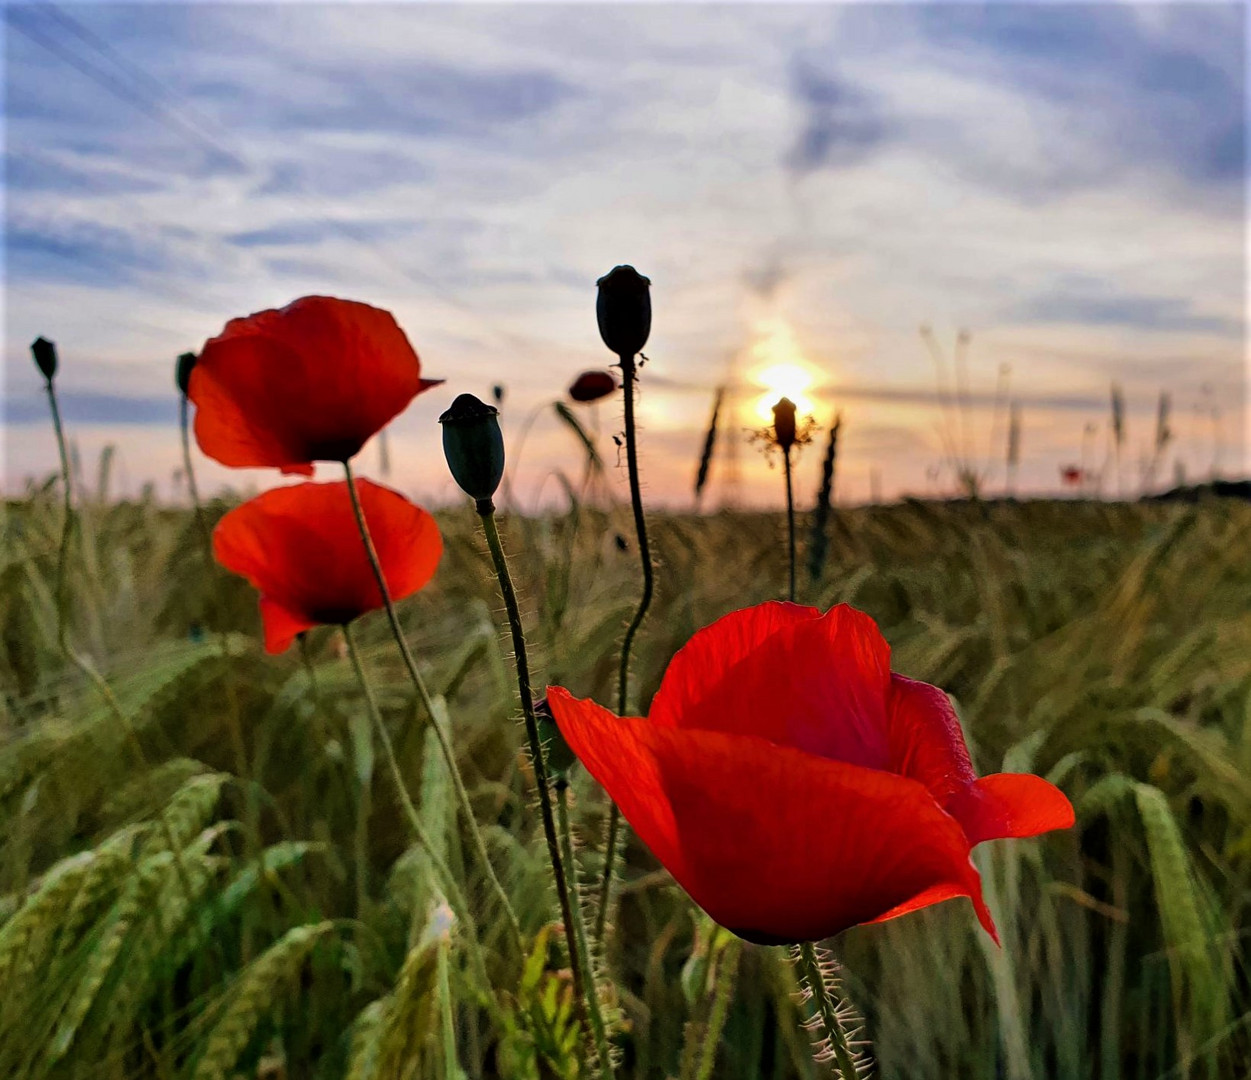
(428, 702)
(486, 511)
(790, 519)
(825, 1013)
(598, 1031)
(623, 673)
(447, 879)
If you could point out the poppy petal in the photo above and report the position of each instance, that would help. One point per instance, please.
(774, 843)
(1011, 804)
(281, 626)
(301, 548)
(928, 745)
(788, 674)
(926, 740)
(311, 382)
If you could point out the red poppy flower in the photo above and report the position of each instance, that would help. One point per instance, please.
(794, 786)
(301, 548)
(592, 385)
(313, 381)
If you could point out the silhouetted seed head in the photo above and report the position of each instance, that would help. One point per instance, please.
(497, 392)
(474, 446)
(624, 310)
(592, 385)
(784, 423)
(44, 352)
(622, 543)
(182, 372)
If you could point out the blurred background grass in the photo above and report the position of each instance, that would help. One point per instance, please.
(220, 883)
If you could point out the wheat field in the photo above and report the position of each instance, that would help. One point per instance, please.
(211, 877)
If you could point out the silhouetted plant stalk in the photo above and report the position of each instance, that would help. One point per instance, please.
(427, 701)
(785, 435)
(44, 353)
(834, 1024)
(623, 309)
(819, 541)
(183, 378)
(710, 444)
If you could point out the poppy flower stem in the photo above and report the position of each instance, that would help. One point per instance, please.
(590, 1008)
(628, 374)
(446, 878)
(790, 519)
(826, 1020)
(598, 1032)
(427, 701)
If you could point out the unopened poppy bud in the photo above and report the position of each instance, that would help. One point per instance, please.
(182, 372)
(474, 446)
(497, 392)
(784, 423)
(592, 385)
(44, 352)
(624, 310)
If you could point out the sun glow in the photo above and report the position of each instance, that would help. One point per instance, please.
(782, 371)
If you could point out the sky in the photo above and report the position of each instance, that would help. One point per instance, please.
(807, 187)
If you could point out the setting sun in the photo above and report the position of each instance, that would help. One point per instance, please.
(780, 370)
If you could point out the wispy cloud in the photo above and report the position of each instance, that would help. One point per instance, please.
(1063, 179)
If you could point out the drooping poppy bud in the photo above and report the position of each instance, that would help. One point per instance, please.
(182, 371)
(44, 352)
(624, 310)
(474, 446)
(784, 423)
(592, 385)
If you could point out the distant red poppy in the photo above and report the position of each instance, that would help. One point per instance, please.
(1071, 475)
(592, 385)
(794, 786)
(312, 381)
(300, 547)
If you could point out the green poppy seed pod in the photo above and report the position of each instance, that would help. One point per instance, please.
(474, 446)
(784, 423)
(624, 310)
(44, 352)
(182, 372)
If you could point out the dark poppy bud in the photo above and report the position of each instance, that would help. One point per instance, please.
(182, 372)
(621, 542)
(556, 751)
(474, 446)
(44, 352)
(624, 310)
(592, 385)
(784, 423)
(497, 392)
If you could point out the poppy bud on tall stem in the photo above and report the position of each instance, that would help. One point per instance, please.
(44, 352)
(624, 311)
(474, 447)
(182, 372)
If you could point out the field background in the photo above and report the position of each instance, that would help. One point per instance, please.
(222, 884)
